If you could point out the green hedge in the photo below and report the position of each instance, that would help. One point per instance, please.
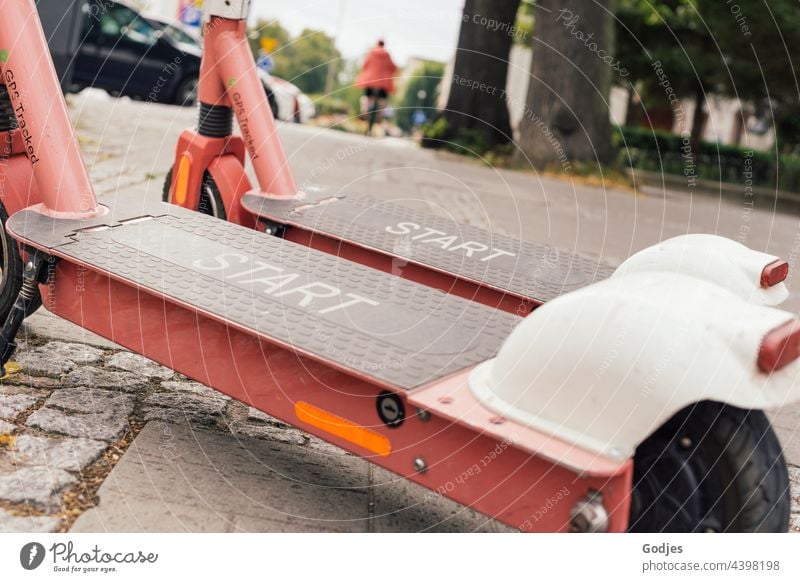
(658, 151)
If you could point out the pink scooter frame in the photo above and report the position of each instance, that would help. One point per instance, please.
(229, 82)
(44, 127)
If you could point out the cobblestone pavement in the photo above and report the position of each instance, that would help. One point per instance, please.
(67, 411)
(74, 405)
(203, 463)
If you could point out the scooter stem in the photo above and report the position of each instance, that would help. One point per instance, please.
(50, 144)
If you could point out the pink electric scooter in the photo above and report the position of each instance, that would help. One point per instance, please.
(516, 417)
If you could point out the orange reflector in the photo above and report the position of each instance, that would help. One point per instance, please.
(182, 181)
(343, 428)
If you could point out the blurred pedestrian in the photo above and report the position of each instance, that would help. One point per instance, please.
(377, 80)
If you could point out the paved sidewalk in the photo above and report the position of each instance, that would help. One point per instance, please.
(198, 480)
(94, 438)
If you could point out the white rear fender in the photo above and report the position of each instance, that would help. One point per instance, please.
(754, 276)
(605, 366)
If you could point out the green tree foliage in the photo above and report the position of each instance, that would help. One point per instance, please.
(746, 49)
(428, 78)
(760, 42)
(268, 29)
(524, 24)
(303, 60)
(667, 53)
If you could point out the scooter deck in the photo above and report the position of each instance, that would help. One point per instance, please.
(527, 270)
(376, 326)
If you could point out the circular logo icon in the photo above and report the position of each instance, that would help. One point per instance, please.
(31, 555)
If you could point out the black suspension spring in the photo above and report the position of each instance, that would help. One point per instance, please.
(29, 290)
(215, 120)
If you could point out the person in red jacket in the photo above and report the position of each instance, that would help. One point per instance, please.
(377, 80)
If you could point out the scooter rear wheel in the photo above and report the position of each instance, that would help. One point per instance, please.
(11, 274)
(210, 200)
(711, 467)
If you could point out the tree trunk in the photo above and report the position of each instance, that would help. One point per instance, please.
(567, 116)
(477, 99)
(698, 121)
(739, 123)
(632, 110)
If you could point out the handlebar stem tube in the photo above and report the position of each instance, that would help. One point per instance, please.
(236, 71)
(50, 143)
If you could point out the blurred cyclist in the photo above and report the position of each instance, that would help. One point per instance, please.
(377, 79)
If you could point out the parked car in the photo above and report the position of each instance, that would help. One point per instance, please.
(127, 54)
(183, 35)
(146, 57)
(287, 101)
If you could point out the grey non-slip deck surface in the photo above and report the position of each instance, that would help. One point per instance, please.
(372, 323)
(526, 269)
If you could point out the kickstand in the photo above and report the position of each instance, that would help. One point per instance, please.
(28, 293)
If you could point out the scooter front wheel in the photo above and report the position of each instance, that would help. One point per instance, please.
(210, 199)
(711, 468)
(11, 275)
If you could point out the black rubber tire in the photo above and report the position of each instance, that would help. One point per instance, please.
(186, 93)
(210, 201)
(273, 103)
(711, 467)
(11, 273)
